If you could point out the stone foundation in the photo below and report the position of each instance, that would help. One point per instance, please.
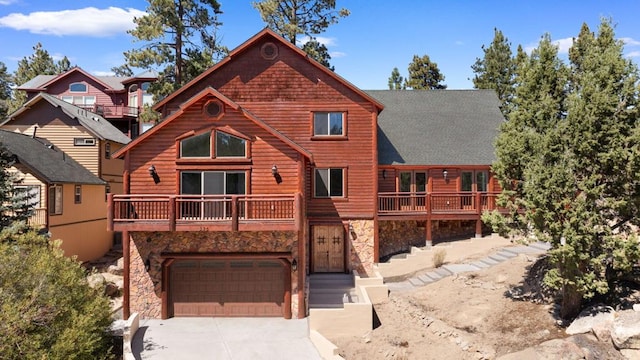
(145, 286)
(361, 245)
(399, 236)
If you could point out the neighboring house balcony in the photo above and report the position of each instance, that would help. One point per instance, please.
(112, 111)
(435, 205)
(204, 212)
(39, 218)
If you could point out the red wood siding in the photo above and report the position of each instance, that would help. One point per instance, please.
(94, 88)
(161, 152)
(284, 92)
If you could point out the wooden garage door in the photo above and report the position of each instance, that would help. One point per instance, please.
(226, 288)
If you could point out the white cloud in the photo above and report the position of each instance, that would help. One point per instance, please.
(633, 54)
(630, 41)
(337, 54)
(563, 45)
(321, 39)
(7, 2)
(89, 21)
(103, 73)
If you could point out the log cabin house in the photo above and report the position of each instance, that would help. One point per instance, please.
(269, 167)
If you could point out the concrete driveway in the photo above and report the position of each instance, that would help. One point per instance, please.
(223, 338)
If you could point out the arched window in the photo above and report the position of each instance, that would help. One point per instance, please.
(196, 146)
(230, 146)
(78, 87)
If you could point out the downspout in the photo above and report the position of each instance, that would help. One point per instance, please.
(126, 268)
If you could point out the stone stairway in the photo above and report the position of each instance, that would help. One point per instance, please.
(429, 276)
(329, 291)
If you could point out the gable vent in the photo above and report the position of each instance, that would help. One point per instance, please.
(269, 51)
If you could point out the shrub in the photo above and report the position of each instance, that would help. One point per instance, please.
(47, 309)
(438, 257)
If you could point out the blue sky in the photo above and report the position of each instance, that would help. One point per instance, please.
(366, 46)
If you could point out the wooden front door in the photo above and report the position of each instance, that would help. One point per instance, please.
(328, 248)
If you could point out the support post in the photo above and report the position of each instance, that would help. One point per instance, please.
(126, 276)
(428, 235)
(234, 213)
(479, 211)
(172, 213)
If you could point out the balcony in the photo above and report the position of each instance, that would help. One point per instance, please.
(112, 111)
(204, 212)
(438, 206)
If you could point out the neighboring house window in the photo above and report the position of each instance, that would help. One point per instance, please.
(107, 150)
(84, 141)
(33, 191)
(55, 200)
(147, 99)
(77, 195)
(328, 124)
(213, 182)
(230, 146)
(196, 146)
(82, 101)
(107, 190)
(78, 87)
(329, 183)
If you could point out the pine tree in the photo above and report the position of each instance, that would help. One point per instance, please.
(569, 160)
(15, 202)
(5, 90)
(39, 63)
(396, 80)
(496, 70)
(424, 74)
(180, 42)
(318, 52)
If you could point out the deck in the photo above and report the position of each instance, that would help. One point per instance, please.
(435, 205)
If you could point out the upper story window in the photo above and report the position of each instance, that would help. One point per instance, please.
(78, 87)
(55, 200)
(196, 146)
(328, 183)
(77, 194)
(226, 146)
(328, 124)
(79, 100)
(230, 146)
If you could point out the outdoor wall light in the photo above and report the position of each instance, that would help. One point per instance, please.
(152, 171)
(294, 265)
(147, 264)
(384, 174)
(445, 174)
(274, 170)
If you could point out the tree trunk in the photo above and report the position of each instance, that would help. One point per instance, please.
(571, 302)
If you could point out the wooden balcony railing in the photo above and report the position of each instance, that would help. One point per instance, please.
(441, 203)
(39, 218)
(112, 111)
(204, 212)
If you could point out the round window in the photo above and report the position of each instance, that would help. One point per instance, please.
(213, 108)
(269, 51)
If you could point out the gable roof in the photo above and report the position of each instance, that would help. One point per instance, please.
(228, 102)
(264, 33)
(94, 123)
(41, 82)
(437, 127)
(48, 164)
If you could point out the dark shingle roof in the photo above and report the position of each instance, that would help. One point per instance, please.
(94, 123)
(437, 127)
(49, 164)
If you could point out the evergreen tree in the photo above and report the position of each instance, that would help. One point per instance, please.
(47, 309)
(424, 74)
(181, 43)
(15, 202)
(5, 90)
(318, 52)
(39, 63)
(496, 70)
(291, 18)
(396, 80)
(580, 166)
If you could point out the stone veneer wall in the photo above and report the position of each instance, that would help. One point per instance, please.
(145, 286)
(361, 246)
(399, 236)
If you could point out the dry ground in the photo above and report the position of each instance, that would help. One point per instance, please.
(468, 316)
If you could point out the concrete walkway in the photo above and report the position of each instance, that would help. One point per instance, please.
(415, 279)
(223, 339)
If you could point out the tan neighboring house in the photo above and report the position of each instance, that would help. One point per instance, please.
(68, 198)
(90, 140)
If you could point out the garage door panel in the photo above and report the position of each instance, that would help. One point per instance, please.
(227, 288)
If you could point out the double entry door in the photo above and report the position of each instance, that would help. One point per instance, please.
(328, 248)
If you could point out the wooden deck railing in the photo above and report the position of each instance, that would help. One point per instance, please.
(39, 218)
(204, 212)
(112, 111)
(453, 203)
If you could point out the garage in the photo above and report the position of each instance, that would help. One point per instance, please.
(226, 288)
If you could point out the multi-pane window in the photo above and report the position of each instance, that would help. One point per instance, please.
(213, 183)
(328, 124)
(55, 200)
(79, 100)
(77, 195)
(226, 145)
(107, 150)
(481, 181)
(413, 181)
(329, 183)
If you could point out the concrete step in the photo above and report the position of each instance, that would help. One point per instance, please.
(332, 299)
(543, 246)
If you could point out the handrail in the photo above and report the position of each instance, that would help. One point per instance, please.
(436, 202)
